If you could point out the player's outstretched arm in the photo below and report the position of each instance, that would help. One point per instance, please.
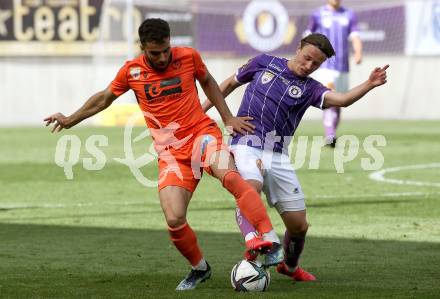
(357, 47)
(226, 87)
(212, 91)
(377, 78)
(94, 104)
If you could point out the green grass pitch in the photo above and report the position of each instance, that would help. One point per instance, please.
(102, 234)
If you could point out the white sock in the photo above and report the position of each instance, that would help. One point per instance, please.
(202, 265)
(250, 236)
(271, 236)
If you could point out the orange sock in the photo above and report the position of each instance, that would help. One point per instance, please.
(248, 201)
(185, 241)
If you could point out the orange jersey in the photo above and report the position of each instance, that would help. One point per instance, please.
(169, 98)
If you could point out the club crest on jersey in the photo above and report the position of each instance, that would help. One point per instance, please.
(267, 77)
(135, 72)
(295, 92)
(177, 64)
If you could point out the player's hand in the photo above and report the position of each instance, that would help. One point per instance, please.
(239, 125)
(60, 120)
(378, 76)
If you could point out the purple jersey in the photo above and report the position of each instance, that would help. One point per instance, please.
(337, 25)
(276, 99)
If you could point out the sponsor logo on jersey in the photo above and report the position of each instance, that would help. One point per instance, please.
(267, 77)
(274, 66)
(284, 80)
(163, 88)
(295, 92)
(344, 20)
(177, 64)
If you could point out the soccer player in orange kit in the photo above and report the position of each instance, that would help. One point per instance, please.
(186, 139)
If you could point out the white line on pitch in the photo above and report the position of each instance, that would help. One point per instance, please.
(380, 175)
(389, 194)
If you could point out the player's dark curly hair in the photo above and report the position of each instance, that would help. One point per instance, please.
(321, 42)
(153, 30)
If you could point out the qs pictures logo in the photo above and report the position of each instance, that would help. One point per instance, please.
(265, 26)
(68, 150)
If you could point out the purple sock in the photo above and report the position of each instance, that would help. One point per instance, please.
(243, 223)
(293, 247)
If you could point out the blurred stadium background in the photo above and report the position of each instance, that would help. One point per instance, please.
(55, 53)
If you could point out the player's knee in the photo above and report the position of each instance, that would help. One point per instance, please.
(298, 229)
(304, 228)
(175, 222)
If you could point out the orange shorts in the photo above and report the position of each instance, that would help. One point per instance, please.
(184, 166)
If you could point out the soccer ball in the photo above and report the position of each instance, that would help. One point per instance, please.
(247, 276)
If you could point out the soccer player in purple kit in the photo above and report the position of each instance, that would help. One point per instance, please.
(277, 96)
(339, 24)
